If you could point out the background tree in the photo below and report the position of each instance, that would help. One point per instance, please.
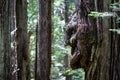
(7, 22)
(6, 40)
(32, 10)
(21, 39)
(1, 43)
(66, 58)
(58, 70)
(43, 42)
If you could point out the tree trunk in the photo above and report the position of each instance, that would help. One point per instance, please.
(66, 61)
(43, 43)
(28, 76)
(6, 23)
(106, 62)
(12, 24)
(1, 54)
(66, 2)
(21, 38)
(1, 44)
(66, 57)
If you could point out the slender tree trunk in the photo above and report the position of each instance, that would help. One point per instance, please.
(66, 57)
(66, 2)
(21, 38)
(28, 77)
(43, 43)
(66, 61)
(106, 63)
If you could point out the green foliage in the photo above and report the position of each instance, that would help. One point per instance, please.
(32, 21)
(118, 20)
(115, 30)
(77, 74)
(58, 70)
(101, 14)
(105, 14)
(59, 51)
(115, 8)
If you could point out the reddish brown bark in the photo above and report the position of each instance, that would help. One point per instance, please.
(43, 43)
(105, 65)
(21, 38)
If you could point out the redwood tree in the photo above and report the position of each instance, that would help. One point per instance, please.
(106, 63)
(21, 39)
(103, 60)
(43, 41)
(7, 22)
(1, 44)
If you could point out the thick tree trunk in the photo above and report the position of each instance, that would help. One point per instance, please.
(21, 38)
(7, 23)
(5, 31)
(1, 44)
(43, 44)
(1, 55)
(106, 62)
